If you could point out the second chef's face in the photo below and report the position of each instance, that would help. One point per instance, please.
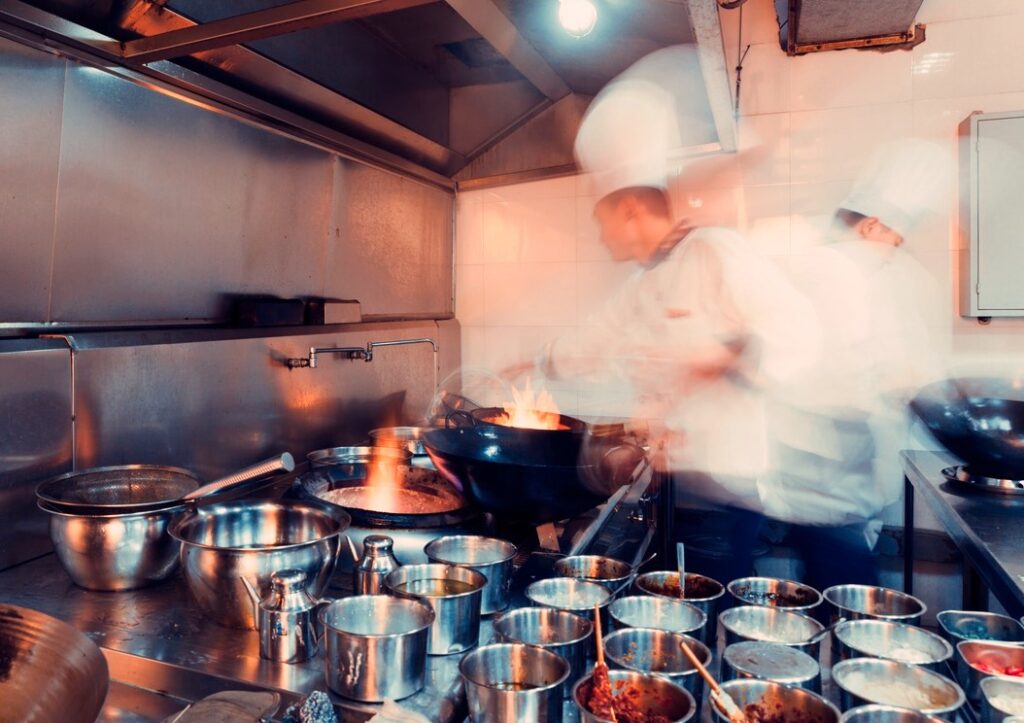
(617, 220)
(633, 222)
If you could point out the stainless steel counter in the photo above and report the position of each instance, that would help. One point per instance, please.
(163, 654)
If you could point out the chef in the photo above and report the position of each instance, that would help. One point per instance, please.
(836, 435)
(703, 324)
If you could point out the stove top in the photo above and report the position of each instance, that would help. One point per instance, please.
(962, 477)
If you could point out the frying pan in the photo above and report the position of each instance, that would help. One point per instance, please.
(532, 475)
(980, 420)
(561, 444)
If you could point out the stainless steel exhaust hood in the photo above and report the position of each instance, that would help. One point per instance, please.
(472, 92)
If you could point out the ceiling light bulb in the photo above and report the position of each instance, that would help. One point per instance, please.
(578, 17)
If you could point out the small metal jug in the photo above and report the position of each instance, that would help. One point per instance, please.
(286, 618)
(378, 560)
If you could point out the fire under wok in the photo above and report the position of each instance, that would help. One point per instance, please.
(980, 420)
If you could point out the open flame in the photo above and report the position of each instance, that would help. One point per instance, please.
(383, 480)
(530, 410)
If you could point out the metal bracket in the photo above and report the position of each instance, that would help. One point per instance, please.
(352, 352)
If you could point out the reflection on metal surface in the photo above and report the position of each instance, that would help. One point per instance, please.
(276, 20)
(35, 440)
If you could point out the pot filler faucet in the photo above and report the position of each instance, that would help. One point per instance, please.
(353, 352)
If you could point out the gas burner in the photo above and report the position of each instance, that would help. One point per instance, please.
(961, 476)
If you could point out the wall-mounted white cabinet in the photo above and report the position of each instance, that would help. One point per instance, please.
(992, 214)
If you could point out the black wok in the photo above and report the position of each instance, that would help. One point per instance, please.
(980, 420)
(530, 475)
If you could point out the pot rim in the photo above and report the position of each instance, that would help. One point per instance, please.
(376, 636)
(341, 518)
(159, 512)
(588, 625)
(479, 581)
(473, 565)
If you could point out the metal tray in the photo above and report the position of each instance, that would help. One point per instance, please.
(962, 479)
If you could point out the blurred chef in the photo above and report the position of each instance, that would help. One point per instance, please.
(836, 434)
(703, 323)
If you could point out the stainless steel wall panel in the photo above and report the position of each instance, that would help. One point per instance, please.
(391, 243)
(31, 91)
(165, 207)
(212, 406)
(35, 440)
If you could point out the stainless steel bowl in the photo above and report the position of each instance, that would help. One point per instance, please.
(957, 625)
(871, 680)
(454, 594)
(997, 656)
(771, 661)
(890, 641)
(771, 625)
(1001, 699)
(660, 696)
(359, 455)
(567, 593)
(114, 552)
(875, 713)
(375, 646)
(48, 670)
(559, 631)
(775, 698)
(221, 543)
(705, 595)
(489, 556)
(658, 652)
(774, 592)
(408, 438)
(514, 682)
(648, 611)
(867, 602)
(607, 571)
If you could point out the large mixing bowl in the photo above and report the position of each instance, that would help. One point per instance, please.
(48, 670)
(222, 543)
(114, 552)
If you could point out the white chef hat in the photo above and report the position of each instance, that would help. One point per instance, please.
(641, 118)
(901, 182)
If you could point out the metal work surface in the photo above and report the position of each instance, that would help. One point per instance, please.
(984, 527)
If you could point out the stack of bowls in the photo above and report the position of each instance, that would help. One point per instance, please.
(890, 641)
(658, 695)
(558, 631)
(702, 592)
(375, 646)
(660, 653)
(514, 682)
(454, 594)
(868, 602)
(489, 556)
(871, 680)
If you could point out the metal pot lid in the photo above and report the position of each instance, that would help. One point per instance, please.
(116, 489)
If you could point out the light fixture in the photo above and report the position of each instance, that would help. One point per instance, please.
(578, 17)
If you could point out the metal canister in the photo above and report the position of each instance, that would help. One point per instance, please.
(285, 618)
(378, 560)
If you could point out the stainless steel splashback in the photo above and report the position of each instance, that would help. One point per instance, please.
(119, 203)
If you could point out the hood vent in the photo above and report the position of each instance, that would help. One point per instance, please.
(810, 26)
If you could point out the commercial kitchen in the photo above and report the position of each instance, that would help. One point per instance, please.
(511, 360)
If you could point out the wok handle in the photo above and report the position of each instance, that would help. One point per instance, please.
(281, 463)
(450, 419)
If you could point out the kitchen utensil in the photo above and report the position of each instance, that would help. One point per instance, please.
(285, 618)
(772, 625)
(980, 420)
(567, 593)
(702, 592)
(489, 556)
(775, 701)
(48, 670)
(375, 646)
(995, 656)
(890, 641)
(559, 631)
(407, 438)
(957, 625)
(875, 713)
(608, 572)
(648, 611)
(660, 696)
(871, 680)
(222, 542)
(454, 594)
(514, 682)
(1001, 698)
(357, 455)
(377, 563)
(867, 602)
(774, 592)
(964, 479)
(681, 566)
(660, 653)
(132, 489)
(771, 661)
